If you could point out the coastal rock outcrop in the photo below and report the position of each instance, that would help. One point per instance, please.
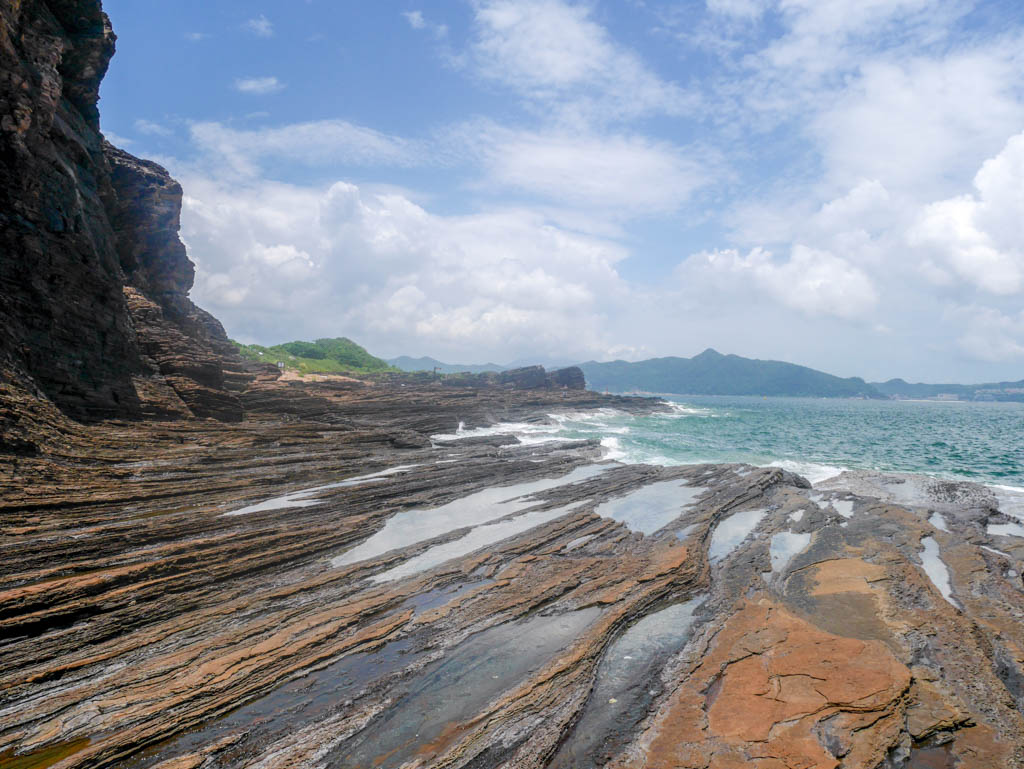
(82, 223)
(331, 574)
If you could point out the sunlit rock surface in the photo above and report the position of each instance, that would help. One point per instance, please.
(537, 617)
(315, 581)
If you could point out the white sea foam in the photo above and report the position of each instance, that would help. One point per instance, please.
(815, 472)
(613, 448)
(681, 411)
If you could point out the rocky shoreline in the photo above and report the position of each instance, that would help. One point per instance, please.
(204, 565)
(341, 591)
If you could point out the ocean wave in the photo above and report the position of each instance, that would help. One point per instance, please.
(815, 472)
(681, 411)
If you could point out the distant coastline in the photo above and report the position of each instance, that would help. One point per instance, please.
(713, 373)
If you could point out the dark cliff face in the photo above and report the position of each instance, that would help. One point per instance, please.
(94, 280)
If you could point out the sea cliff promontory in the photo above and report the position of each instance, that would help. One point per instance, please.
(207, 564)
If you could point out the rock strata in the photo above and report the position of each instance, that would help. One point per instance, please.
(204, 564)
(87, 233)
(218, 600)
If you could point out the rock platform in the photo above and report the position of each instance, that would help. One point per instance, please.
(335, 589)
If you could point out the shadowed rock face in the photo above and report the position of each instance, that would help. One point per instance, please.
(81, 223)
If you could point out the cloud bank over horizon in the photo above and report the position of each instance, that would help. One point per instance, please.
(837, 183)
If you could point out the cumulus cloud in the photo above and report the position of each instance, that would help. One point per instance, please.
(810, 281)
(747, 9)
(258, 85)
(260, 26)
(280, 260)
(908, 123)
(980, 236)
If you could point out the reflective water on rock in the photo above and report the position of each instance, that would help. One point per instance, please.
(650, 507)
(939, 522)
(844, 507)
(936, 570)
(785, 546)
(731, 531)
(479, 537)
(459, 687)
(411, 526)
(626, 683)
(1006, 529)
(301, 498)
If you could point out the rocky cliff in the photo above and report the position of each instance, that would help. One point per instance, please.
(94, 280)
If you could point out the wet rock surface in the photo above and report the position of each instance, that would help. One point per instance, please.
(264, 573)
(290, 591)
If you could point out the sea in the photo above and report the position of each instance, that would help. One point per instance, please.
(815, 437)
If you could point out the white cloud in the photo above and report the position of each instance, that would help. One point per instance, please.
(554, 54)
(260, 26)
(922, 124)
(811, 281)
(990, 335)
(315, 143)
(196, 37)
(629, 175)
(417, 21)
(747, 9)
(980, 236)
(279, 260)
(259, 85)
(150, 128)
(116, 139)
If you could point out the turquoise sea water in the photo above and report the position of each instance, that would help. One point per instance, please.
(817, 438)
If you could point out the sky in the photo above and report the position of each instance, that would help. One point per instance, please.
(836, 183)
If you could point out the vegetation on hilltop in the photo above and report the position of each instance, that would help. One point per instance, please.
(324, 356)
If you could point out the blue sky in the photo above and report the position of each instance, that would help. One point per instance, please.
(838, 183)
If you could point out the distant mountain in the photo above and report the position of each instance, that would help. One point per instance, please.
(547, 361)
(712, 373)
(995, 391)
(406, 363)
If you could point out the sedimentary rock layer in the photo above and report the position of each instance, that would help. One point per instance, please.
(336, 591)
(93, 278)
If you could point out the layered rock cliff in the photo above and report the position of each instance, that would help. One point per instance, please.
(94, 280)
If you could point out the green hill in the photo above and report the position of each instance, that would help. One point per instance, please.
(712, 373)
(324, 356)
